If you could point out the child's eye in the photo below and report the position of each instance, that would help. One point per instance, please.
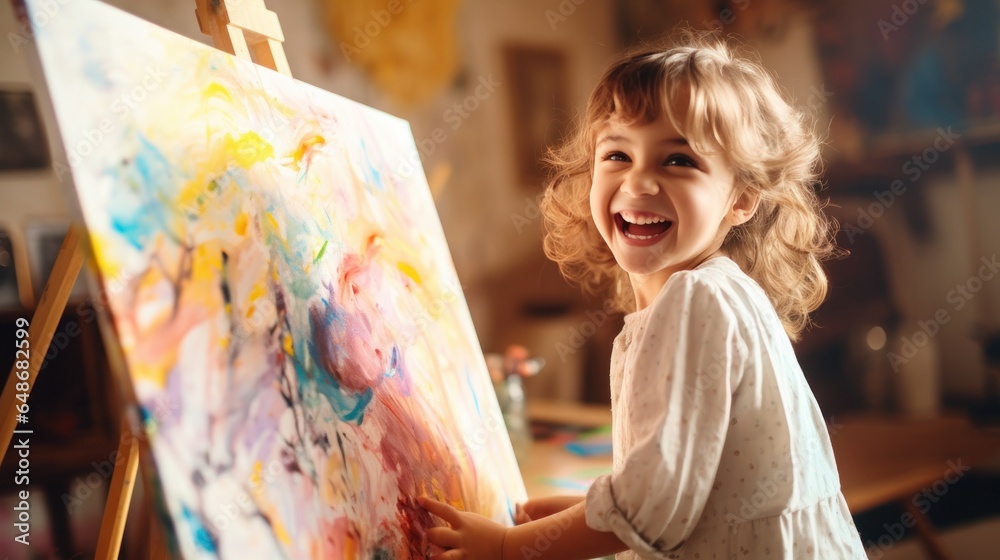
(679, 159)
(616, 156)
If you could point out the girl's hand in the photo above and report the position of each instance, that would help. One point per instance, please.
(470, 537)
(544, 507)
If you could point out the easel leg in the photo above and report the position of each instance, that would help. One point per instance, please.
(929, 536)
(43, 326)
(119, 497)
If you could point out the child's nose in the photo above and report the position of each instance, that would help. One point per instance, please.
(640, 184)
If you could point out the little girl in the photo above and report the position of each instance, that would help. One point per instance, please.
(688, 191)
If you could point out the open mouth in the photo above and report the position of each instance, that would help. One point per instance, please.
(642, 228)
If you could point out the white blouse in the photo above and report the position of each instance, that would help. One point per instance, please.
(720, 450)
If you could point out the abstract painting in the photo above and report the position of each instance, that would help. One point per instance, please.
(281, 294)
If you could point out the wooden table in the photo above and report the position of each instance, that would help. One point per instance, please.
(881, 459)
(551, 460)
(884, 459)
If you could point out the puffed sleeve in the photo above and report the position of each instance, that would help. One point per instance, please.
(689, 359)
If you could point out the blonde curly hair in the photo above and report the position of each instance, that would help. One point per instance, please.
(732, 103)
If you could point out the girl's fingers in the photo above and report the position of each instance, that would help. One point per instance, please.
(450, 555)
(442, 510)
(533, 510)
(520, 516)
(443, 537)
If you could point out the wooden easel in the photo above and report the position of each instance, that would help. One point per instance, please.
(244, 28)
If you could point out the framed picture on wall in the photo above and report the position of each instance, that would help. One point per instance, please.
(9, 296)
(22, 136)
(43, 239)
(896, 73)
(539, 93)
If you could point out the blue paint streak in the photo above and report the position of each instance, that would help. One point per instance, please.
(142, 210)
(347, 406)
(199, 533)
(373, 175)
(472, 391)
(393, 370)
(332, 316)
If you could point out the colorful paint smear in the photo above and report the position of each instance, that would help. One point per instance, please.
(280, 289)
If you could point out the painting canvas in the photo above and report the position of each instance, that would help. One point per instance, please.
(281, 295)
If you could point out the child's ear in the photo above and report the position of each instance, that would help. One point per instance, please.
(745, 206)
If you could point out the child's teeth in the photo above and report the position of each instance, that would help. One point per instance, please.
(631, 236)
(642, 220)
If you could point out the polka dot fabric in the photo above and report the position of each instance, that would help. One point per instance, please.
(720, 450)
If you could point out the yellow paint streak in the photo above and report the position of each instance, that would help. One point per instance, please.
(187, 197)
(279, 531)
(257, 291)
(287, 345)
(155, 371)
(408, 270)
(304, 147)
(215, 89)
(255, 479)
(206, 264)
(241, 223)
(103, 252)
(248, 149)
(257, 484)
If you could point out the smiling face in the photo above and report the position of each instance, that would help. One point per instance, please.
(660, 205)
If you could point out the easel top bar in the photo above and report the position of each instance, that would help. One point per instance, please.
(244, 28)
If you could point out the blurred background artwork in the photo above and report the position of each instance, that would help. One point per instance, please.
(924, 65)
(22, 142)
(538, 82)
(906, 92)
(408, 49)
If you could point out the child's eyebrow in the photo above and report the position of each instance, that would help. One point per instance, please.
(618, 138)
(610, 138)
